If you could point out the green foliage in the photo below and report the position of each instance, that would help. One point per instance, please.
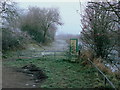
(34, 32)
(61, 74)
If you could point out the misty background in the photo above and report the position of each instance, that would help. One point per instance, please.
(68, 12)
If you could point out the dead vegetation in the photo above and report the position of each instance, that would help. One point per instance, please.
(113, 76)
(87, 54)
(101, 66)
(35, 71)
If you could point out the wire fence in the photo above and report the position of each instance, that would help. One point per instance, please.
(106, 80)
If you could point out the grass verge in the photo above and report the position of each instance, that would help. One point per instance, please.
(62, 74)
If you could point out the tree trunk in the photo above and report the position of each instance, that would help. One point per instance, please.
(44, 36)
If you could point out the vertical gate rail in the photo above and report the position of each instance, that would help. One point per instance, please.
(105, 77)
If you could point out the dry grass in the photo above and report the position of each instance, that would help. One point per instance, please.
(85, 54)
(113, 76)
(97, 61)
(101, 66)
(117, 75)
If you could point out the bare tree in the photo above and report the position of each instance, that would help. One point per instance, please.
(11, 36)
(97, 26)
(43, 20)
(114, 8)
(9, 13)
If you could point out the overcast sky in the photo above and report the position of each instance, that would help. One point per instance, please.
(69, 16)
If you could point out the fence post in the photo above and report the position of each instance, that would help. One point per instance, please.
(104, 81)
(79, 54)
(54, 55)
(18, 54)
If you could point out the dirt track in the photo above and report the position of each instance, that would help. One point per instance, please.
(13, 79)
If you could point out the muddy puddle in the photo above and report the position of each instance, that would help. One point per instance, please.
(28, 76)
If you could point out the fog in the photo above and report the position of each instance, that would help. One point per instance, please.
(68, 12)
